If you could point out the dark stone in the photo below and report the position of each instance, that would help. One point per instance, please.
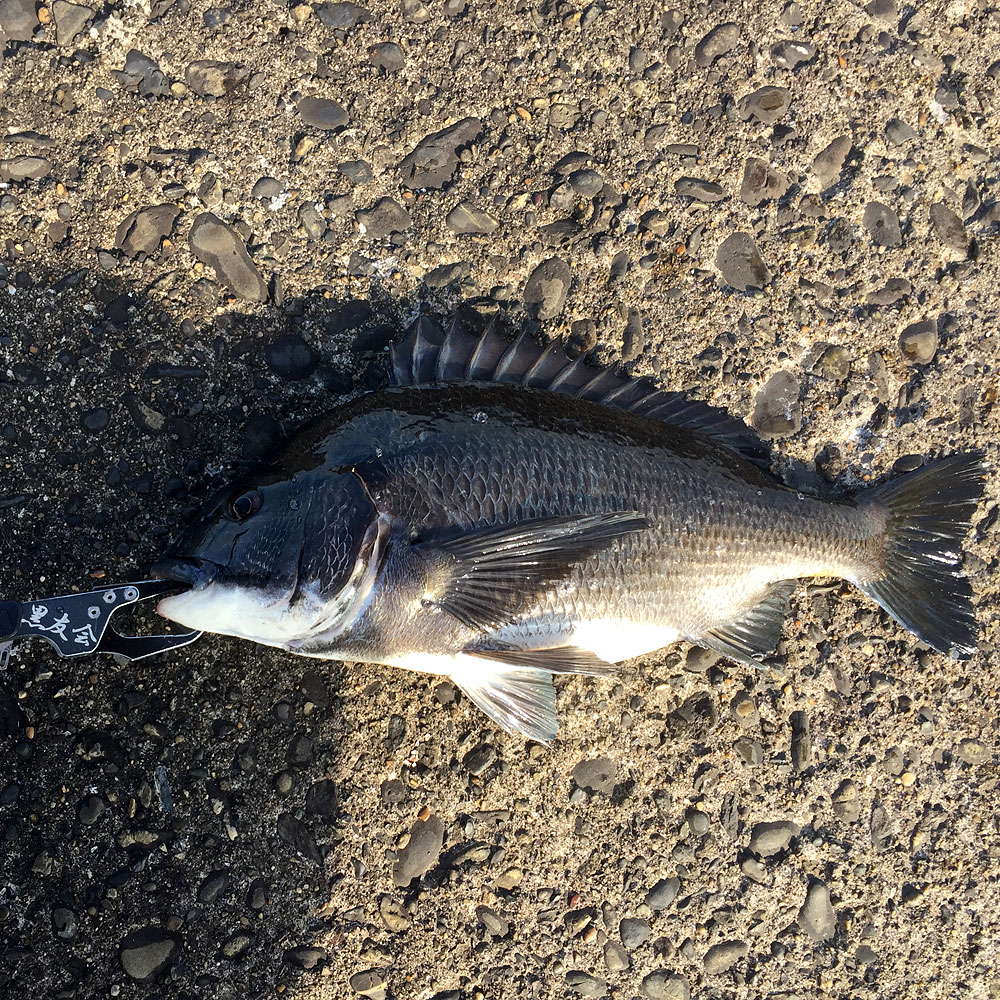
(883, 224)
(297, 835)
(740, 263)
(321, 799)
(547, 287)
(760, 182)
(596, 776)
(479, 758)
(777, 412)
(320, 112)
(146, 953)
(144, 230)
(212, 78)
(434, 160)
(465, 218)
(217, 244)
(723, 38)
(766, 105)
(422, 850)
(388, 56)
(305, 957)
(343, 15)
(949, 228)
(789, 53)
(291, 357)
(383, 219)
(699, 190)
(95, 420)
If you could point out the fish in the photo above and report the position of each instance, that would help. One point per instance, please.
(500, 514)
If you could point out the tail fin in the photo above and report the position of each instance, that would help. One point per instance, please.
(921, 584)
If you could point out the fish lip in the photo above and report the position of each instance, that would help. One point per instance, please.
(194, 573)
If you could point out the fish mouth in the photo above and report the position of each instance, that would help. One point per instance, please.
(193, 573)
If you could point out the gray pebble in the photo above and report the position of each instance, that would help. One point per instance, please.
(768, 839)
(356, 171)
(321, 112)
(918, 343)
(699, 190)
(236, 944)
(143, 75)
(147, 952)
(761, 182)
(412, 861)
(766, 105)
(949, 228)
(343, 15)
(585, 985)
(297, 835)
(447, 274)
(434, 159)
(898, 133)
(634, 932)
(973, 751)
(383, 219)
(214, 78)
(18, 19)
(71, 19)
(494, 924)
(65, 923)
(615, 957)
(311, 220)
(23, 168)
(465, 218)
(846, 803)
(740, 263)
(817, 917)
(789, 53)
(388, 56)
(663, 985)
(884, 10)
(661, 895)
(217, 244)
(143, 231)
(305, 957)
(883, 224)
(547, 287)
(865, 955)
(91, 809)
(834, 363)
(479, 758)
(829, 161)
(266, 188)
(716, 43)
(751, 752)
(213, 886)
(753, 869)
(596, 776)
(655, 222)
(586, 183)
(723, 956)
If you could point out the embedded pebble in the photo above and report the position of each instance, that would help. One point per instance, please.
(883, 225)
(722, 39)
(768, 839)
(383, 219)
(344, 15)
(634, 932)
(547, 287)
(479, 758)
(765, 105)
(918, 343)
(723, 956)
(777, 411)
(817, 917)
(22, 168)
(949, 228)
(699, 190)
(420, 852)
(291, 357)
(615, 957)
(388, 56)
(71, 19)
(663, 985)
(585, 985)
(828, 163)
(217, 244)
(143, 231)
(596, 776)
(465, 218)
(434, 160)
(18, 19)
(740, 262)
(761, 182)
(321, 112)
(663, 893)
(147, 952)
(790, 53)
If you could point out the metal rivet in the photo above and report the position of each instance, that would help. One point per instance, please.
(94, 612)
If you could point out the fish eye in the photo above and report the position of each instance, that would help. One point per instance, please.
(244, 505)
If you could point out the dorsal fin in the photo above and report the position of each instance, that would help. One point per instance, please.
(428, 354)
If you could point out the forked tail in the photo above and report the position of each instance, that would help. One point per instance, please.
(921, 584)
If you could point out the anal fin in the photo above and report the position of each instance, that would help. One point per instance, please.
(519, 699)
(755, 633)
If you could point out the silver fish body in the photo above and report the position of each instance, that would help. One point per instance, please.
(502, 531)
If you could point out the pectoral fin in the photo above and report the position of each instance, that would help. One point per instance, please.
(485, 577)
(556, 660)
(755, 633)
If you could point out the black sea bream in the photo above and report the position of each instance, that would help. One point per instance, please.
(500, 514)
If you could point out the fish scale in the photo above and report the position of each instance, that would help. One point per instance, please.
(501, 514)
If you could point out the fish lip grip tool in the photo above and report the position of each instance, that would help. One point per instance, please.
(80, 624)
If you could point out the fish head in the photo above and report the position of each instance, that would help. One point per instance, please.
(276, 559)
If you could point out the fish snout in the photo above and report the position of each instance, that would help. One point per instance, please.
(195, 573)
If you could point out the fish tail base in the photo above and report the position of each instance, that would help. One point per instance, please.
(921, 584)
